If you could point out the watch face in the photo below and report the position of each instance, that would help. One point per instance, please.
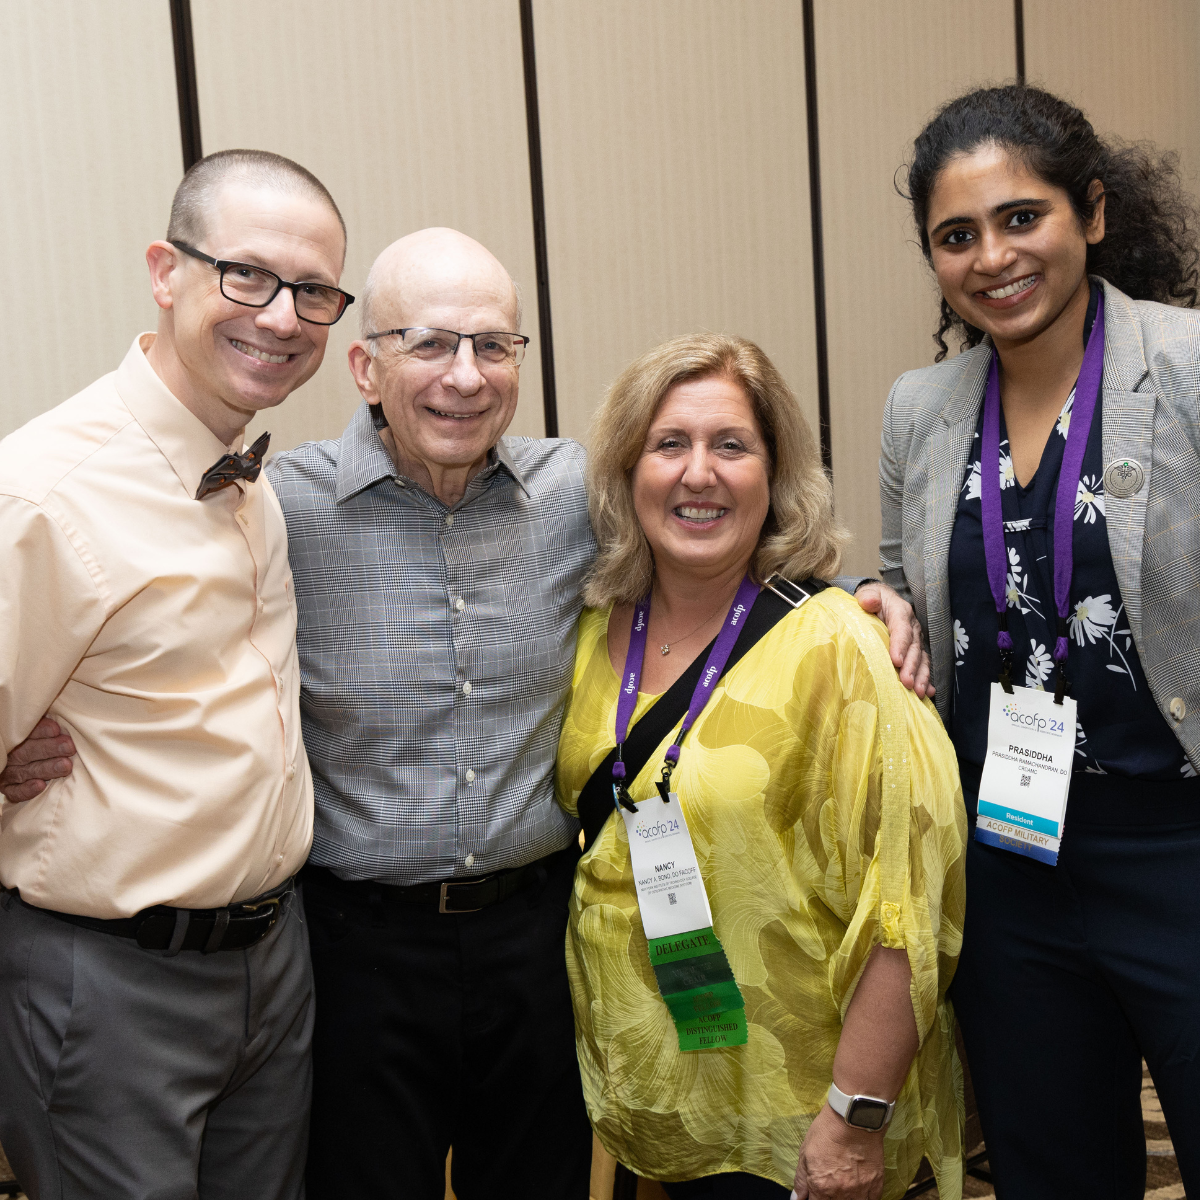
(865, 1113)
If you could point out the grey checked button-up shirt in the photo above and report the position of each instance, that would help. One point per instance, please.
(436, 650)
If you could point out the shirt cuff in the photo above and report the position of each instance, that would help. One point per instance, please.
(851, 583)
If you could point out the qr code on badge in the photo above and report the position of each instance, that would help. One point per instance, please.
(1025, 780)
(671, 897)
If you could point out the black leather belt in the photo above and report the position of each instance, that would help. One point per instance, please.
(205, 929)
(448, 896)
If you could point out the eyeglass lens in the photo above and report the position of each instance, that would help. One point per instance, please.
(440, 345)
(250, 285)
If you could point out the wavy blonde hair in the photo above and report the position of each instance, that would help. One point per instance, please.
(799, 538)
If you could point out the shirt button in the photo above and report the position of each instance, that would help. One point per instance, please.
(291, 772)
(1178, 709)
(242, 517)
(467, 688)
(460, 604)
(470, 776)
(281, 858)
(469, 860)
(449, 518)
(261, 604)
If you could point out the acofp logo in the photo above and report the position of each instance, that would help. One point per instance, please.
(652, 832)
(1024, 720)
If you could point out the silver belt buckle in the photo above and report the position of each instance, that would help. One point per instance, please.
(444, 893)
(771, 583)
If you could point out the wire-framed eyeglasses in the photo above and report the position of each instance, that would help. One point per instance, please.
(256, 287)
(441, 345)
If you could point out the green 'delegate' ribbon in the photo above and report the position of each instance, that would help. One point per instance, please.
(697, 983)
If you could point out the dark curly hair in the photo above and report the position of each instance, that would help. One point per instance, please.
(1149, 247)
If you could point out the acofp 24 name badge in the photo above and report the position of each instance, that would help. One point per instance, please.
(690, 965)
(1030, 754)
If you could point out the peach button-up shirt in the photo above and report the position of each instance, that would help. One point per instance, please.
(159, 631)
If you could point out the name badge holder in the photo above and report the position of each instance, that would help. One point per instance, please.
(690, 966)
(1031, 737)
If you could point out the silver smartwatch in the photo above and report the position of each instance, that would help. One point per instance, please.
(862, 1112)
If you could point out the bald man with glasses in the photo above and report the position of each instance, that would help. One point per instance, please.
(438, 568)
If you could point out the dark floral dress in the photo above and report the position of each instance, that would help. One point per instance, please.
(1119, 728)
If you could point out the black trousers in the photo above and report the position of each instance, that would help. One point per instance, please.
(439, 1029)
(1069, 976)
(729, 1185)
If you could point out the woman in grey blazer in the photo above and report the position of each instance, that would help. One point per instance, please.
(1062, 259)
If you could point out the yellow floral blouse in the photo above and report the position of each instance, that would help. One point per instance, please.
(824, 803)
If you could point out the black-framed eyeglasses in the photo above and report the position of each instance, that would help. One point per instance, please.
(441, 345)
(256, 287)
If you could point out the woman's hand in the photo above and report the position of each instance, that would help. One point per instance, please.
(878, 1042)
(838, 1162)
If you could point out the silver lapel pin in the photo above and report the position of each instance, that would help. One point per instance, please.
(1123, 477)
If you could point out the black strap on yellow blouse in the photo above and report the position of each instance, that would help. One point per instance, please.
(778, 598)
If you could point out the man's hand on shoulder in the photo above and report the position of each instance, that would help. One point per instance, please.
(44, 755)
(907, 642)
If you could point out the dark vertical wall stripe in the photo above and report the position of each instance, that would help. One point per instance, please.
(1019, 28)
(541, 258)
(818, 236)
(185, 81)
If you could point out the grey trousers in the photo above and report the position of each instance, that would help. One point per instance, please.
(128, 1075)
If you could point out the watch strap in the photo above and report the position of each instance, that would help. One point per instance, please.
(843, 1105)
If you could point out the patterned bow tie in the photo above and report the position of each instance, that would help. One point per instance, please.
(231, 467)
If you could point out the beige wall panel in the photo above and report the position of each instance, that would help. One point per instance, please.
(675, 158)
(411, 116)
(1131, 65)
(89, 158)
(882, 70)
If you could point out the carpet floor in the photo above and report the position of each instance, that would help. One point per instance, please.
(1162, 1173)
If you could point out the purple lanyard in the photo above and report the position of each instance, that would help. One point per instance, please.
(1087, 391)
(717, 658)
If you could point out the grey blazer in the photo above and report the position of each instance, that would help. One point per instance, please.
(1150, 413)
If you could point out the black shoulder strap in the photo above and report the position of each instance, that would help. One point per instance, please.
(778, 598)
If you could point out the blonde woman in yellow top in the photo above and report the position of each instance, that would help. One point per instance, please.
(799, 870)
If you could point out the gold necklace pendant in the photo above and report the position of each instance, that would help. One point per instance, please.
(665, 648)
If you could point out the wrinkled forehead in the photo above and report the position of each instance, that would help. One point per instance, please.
(467, 301)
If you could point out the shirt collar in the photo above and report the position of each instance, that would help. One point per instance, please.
(181, 437)
(363, 460)
(362, 457)
(501, 456)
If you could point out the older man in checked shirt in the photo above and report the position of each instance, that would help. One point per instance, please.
(438, 568)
